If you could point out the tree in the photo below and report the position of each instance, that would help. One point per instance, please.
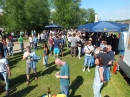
(67, 12)
(37, 13)
(90, 15)
(25, 14)
(83, 16)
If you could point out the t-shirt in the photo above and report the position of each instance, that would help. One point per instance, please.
(50, 41)
(79, 43)
(3, 63)
(73, 41)
(64, 71)
(21, 33)
(42, 36)
(30, 39)
(62, 41)
(105, 58)
(31, 55)
(20, 39)
(111, 54)
(88, 48)
(69, 38)
(56, 43)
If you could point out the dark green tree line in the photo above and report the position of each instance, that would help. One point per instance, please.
(35, 14)
(69, 14)
(24, 14)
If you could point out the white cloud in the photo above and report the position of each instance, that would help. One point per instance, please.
(120, 14)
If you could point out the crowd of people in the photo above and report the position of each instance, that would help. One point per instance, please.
(96, 48)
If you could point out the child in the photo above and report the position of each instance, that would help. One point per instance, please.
(45, 56)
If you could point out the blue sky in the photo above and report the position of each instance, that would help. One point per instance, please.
(109, 9)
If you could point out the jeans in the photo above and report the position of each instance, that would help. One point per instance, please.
(65, 90)
(45, 60)
(87, 60)
(109, 72)
(4, 48)
(10, 49)
(96, 90)
(79, 52)
(5, 75)
(22, 47)
(92, 61)
(35, 46)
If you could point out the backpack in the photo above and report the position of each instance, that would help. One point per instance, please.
(106, 74)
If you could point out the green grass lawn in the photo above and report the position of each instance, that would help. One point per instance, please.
(80, 86)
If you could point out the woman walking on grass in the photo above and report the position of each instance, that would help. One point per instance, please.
(45, 55)
(98, 79)
(9, 46)
(4, 47)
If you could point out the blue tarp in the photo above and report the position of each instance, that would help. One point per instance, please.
(104, 26)
(53, 26)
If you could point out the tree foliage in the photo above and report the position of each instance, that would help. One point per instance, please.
(35, 14)
(90, 15)
(69, 14)
(25, 14)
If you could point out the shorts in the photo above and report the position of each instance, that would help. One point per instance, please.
(56, 50)
(28, 69)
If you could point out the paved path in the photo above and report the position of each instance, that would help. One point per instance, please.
(16, 47)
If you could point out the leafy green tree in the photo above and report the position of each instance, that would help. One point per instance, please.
(37, 13)
(83, 16)
(69, 14)
(90, 15)
(25, 14)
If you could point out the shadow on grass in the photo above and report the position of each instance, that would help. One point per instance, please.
(23, 92)
(75, 85)
(15, 59)
(48, 71)
(15, 82)
(106, 96)
(77, 96)
(52, 63)
(67, 53)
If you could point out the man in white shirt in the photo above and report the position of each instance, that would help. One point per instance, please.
(28, 57)
(5, 72)
(43, 37)
(88, 49)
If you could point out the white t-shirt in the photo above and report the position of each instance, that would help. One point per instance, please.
(3, 63)
(69, 38)
(38, 36)
(30, 39)
(30, 56)
(87, 48)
